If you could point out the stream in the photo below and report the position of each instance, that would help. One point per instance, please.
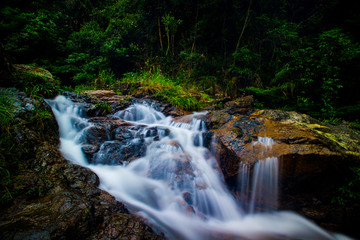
(175, 183)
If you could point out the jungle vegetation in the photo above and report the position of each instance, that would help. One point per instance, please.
(295, 55)
(290, 54)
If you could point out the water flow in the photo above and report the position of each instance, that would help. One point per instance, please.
(265, 186)
(176, 184)
(244, 186)
(261, 193)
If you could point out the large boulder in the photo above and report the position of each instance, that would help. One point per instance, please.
(314, 157)
(35, 80)
(293, 137)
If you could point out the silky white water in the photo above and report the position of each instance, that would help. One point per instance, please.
(177, 186)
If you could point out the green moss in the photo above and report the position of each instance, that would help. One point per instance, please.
(325, 131)
(35, 81)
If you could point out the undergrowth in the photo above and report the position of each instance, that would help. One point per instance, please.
(349, 193)
(15, 147)
(36, 81)
(8, 157)
(154, 83)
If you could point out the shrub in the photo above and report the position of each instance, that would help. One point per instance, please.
(7, 155)
(349, 193)
(154, 83)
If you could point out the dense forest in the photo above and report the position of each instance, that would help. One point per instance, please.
(294, 55)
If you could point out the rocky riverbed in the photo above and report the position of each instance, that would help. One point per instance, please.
(63, 200)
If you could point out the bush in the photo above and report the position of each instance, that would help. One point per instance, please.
(154, 83)
(350, 193)
(316, 73)
(8, 157)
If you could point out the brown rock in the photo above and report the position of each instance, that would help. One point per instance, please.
(314, 157)
(100, 93)
(294, 137)
(239, 106)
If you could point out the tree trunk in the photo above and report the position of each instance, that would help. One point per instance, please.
(160, 37)
(244, 26)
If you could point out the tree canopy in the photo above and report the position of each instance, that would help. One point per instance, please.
(297, 55)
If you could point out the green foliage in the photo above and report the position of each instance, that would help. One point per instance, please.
(156, 84)
(38, 32)
(13, 153)
(39, 117)
(191, 62)
(103, 108)
(221, 47)
(267, 98)
(171, 25)
(82, 88)
(105, 78)
(34, 192)
(102, 45)
(244, 70)
(349, 193)
(355, 125)
(244, 62)
(314, 72)
(12, 20)
(7, 159)
(35, 81)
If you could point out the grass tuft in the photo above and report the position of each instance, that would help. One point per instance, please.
(154, 83)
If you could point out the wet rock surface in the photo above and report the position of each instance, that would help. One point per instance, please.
(314, 157)
(60, 200)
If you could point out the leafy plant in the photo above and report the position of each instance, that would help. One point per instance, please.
(12, 152)
(349, 193)
(171, 25)
(7, 159)
(355, 125)
(82, 88)
(315, 70)
(105, 78)
(156, 84)
(103, 108)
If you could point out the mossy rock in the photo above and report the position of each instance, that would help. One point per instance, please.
(35, 80)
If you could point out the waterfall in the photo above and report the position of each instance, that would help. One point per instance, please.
(265, 185)
(261, 193)
(244, 186)
(175, 183)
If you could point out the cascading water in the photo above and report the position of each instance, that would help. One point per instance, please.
(263, 184)
(175, 184)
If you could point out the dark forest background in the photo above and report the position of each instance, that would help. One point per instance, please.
(290, 54)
